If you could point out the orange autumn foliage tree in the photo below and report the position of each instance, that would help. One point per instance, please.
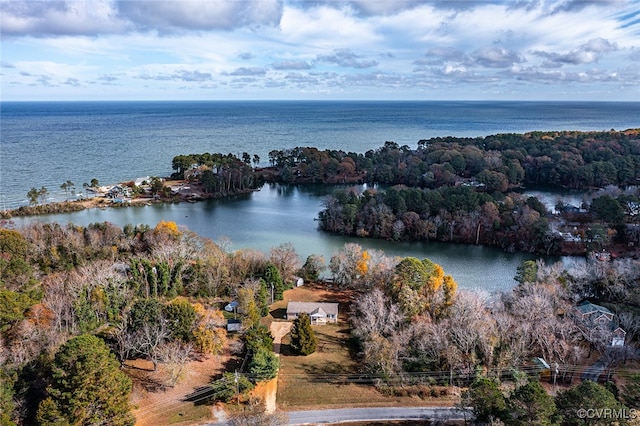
(41, 316)
(167, 228)
(362, 266)
(209, 334)
(421, 287)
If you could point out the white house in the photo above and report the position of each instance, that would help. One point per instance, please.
(319, 312)
(597, 322)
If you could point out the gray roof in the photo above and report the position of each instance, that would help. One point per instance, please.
(311, 307)
(588, 307)
(319, 312)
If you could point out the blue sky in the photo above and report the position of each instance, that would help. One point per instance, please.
(320, 49)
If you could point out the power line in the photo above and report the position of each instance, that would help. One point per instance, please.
(204, 392)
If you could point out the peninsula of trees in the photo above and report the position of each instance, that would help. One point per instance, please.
(577, 160)
(466, 190)
(462, 190)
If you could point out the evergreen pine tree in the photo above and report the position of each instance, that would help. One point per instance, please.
(263, 298)
(303, 339)
(264, 365)
(87, 386)
(273, 278)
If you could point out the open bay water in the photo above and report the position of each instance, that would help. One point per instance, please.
(48, 143)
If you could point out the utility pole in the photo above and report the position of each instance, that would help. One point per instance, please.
(236, 379)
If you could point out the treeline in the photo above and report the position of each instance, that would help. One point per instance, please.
(579, 160)
(409, 319)
(142, 292)
(415, 331)
(529, 403)
(461, 214)
(218, 173)
(455, 214)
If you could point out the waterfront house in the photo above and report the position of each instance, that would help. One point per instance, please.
(597, 322)
(319, 312)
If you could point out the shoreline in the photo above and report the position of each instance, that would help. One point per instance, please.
(179, 193)
(183, 191)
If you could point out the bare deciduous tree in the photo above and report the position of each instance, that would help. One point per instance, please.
(285, 258)
(246, 263)
(374, 313)
(174, 356)
(59, 298)
(255, 414)
(630, 323)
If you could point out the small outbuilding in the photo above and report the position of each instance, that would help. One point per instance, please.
(234, 325)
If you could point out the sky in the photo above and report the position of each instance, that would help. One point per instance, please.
(584, 50)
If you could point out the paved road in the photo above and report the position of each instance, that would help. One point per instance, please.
(593, 372)
(368, 415)
(375, 414)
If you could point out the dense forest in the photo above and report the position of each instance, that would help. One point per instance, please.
(466, 190)
(511, 221)
(219, 174)
(577, 160)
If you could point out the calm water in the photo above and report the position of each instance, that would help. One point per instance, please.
(280, 214)
(46, 144)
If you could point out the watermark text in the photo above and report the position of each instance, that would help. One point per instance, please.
(608, 413)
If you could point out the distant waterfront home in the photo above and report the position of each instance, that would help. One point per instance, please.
(319, 313)
(597, 322)
(119, 192)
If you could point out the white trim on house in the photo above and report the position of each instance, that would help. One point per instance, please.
(319, 312)
(597, 322)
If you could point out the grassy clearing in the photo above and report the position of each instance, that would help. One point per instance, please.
(188, 414)
(312, 380)
(330, 376)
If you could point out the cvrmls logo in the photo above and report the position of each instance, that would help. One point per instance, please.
(607, 413)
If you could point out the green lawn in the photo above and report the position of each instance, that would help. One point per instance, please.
(329, 377)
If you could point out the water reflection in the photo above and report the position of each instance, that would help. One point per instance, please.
(280, 214)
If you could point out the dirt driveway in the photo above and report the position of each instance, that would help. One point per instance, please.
(278, 331)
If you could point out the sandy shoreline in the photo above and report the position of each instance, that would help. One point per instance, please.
(181, 191)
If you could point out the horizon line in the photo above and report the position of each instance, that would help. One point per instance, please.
(319, 100)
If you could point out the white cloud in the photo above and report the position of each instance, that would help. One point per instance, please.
(292, 65)
(346, 58)
(295, 48)
(324, 28)
(39, 18)
(496, 57)
(244, 72)
(586, 53)
(93, 17)
(171, 15)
